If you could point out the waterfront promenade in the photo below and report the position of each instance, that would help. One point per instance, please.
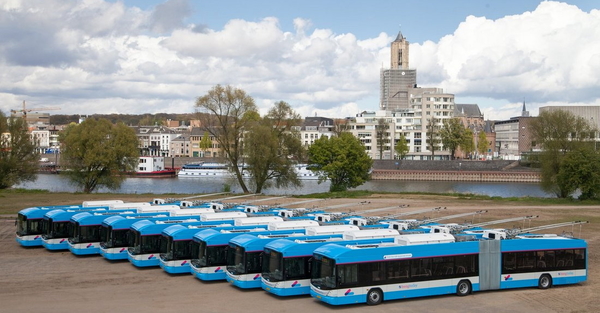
(416, 170)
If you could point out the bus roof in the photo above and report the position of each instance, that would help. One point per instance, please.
(371, 233)
(421, 239)
(330, 229)
(256, 220)
(222, 216)
(297, 224)
(100, 202)
(191, 211)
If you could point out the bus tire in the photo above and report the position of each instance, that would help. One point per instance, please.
(463, 288)
(374, 296)
(545, 281)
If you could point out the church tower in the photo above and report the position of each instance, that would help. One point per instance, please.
(395, 82)
(399, 53)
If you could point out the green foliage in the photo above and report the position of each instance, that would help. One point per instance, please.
(433, 136)
(341, 159)
(558, 133)
(482, 143)
(229, 115)
(205, 142)
(381, 134)
(19, 160)
(272, 148)
(452, 134)
(580, 169)
(98, 153)
(401, 147)
(467, 145)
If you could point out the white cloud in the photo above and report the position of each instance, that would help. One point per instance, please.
(102, 57)
(550, 54)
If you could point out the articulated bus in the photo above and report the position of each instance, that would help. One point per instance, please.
(435, 264)
(209, 247)
(29, 221)
(286, 263)
(177, 245)
(244, 254)
(145, 248)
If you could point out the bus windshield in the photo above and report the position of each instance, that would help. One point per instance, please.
(46, 225)
(323, 273)
(106, 236)
(235, 260)
(272, 265)
(58, 230)
(166, 248)
(27, 226)
(83, 234)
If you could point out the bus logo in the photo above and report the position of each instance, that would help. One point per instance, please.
(122, 249)
(36, 237)
(62, 240)
(150, 257)
(89, 245)
(296, 284)
(256, 277)
(348, 292)
(183, 263)
(507, 277)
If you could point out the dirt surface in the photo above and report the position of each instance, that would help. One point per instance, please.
(36, 280)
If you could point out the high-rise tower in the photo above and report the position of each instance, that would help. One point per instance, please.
(395, 82)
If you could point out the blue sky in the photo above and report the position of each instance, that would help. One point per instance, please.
(322, 57)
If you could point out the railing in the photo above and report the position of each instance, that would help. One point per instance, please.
(472, 176)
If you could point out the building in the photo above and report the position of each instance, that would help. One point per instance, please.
(314, 128)
(396, 81)
(380, 131)
(513, 136)
(472, 118)
(590, 112)
(155, 140)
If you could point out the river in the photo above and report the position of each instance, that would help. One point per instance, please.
(59, 183)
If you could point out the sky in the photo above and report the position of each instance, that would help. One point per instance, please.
(322, 57)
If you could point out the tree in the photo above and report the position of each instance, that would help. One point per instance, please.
(401, 147)
(341, 159)
(452, 134)
(558, 133)
(467, 145)
(272, 149)
(225, 112)
(205, 143)
(482, 143)
(381, 133)
(580, 169)
(98, 153)
(432, 134)
(19, 161)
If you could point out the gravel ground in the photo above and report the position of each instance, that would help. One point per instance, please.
(34, 279)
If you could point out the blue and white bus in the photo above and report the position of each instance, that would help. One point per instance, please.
(286, 263)
(147, 246)
(116, 234)
(435, 264)
(244, 254)
(86, 230)
(177, 243)
(30, 220)
(57, 226)
(209, 247)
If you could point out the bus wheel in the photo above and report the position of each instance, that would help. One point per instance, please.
(374, 297)
(463, 288)
(545, 282)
